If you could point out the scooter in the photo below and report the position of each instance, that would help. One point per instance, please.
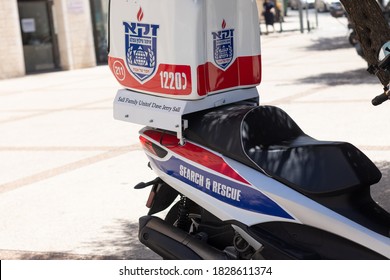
(263, 190)
(238, 180)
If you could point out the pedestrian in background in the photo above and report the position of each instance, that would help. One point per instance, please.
(269, 14)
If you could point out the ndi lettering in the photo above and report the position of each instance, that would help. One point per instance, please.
(141, 29)
(223, 34)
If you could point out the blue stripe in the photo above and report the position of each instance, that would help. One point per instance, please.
(225, 190)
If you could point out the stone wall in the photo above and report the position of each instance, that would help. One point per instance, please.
(73, 27)
(11, 48)
(75, 33)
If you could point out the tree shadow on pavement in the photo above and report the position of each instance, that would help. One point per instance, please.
(330, 43)
(358, 76)
(122, 244)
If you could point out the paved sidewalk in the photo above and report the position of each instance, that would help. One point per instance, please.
(67, 168)
(311, 21)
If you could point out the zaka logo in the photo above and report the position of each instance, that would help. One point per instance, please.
(141, 47)
(223, 42)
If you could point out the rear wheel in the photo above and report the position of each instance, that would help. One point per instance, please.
(193, 219)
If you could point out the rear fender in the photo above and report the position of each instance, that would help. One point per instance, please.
(162, 196)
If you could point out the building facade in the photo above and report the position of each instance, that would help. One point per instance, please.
(49, 35)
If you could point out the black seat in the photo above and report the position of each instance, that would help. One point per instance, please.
(267, 139)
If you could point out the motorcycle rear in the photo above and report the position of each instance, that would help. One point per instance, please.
(237, 180)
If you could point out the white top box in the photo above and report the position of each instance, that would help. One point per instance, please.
(184, 49)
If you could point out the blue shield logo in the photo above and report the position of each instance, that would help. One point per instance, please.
(141, 49)
(223, 47)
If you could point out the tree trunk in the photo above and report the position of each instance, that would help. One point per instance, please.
(372, 31)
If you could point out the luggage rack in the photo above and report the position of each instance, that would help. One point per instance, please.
(167, 113)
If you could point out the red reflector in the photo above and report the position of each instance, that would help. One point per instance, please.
(152, 148)
(149, 202)
(147, 145)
